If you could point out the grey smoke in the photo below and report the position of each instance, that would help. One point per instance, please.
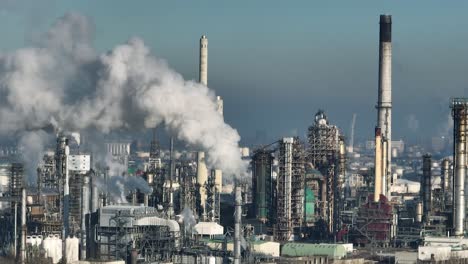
(32, 145)
(62, 82)
(118, 187)
(188, 218)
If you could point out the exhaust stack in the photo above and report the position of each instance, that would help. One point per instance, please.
(203, 60)
(384, 102)
(459, 107)
(23, 225)
(378, 165)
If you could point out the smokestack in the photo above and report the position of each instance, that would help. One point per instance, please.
(384, 103)
(23, 225)
(84, 211)
(204, 60)
(237, 226)
(378, 165)
(459, 119)
(426, 186)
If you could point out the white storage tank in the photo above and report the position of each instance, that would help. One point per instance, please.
(53, 248)
(72, 247)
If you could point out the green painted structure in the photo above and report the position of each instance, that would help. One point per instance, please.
(263, 185)
(334, 251)
(309, 205)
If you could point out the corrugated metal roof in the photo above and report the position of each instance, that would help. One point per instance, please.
(335, 251)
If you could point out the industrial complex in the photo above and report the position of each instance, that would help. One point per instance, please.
(318, 199)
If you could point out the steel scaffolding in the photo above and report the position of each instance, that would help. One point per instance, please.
(290, 205)
(323, 153)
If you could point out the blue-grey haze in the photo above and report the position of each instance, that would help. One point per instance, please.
(276, 63)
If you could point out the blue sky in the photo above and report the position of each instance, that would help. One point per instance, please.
(276, 63)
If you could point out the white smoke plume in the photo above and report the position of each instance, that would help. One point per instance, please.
(118, 187)
(62, 82)
(188, 218)
(32, 145)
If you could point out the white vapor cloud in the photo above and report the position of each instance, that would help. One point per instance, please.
(63, 82)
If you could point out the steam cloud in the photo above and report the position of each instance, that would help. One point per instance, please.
(62, 82)
(118, 187)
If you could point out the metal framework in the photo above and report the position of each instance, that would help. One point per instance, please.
(374, 223)
(153, 243)
(298, 184)
(283, 221)
(188, 192)
(323, 155)
(291, 180)
(212, 199)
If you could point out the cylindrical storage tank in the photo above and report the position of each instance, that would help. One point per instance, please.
(72, 245)
(419, 212)
(211, 260)
(53, 248)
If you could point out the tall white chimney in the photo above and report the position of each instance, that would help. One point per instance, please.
(203, 60)
(384, 103)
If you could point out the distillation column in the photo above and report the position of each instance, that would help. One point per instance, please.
(446, 179)
(426, 187)
(384, 103)
(459, 119)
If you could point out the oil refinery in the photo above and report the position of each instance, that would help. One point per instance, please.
(193, 194)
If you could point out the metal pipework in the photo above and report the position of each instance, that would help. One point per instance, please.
(66, 196)
(237, 226)
(384, 103)
(459, 119)
(84, 211)
(23, 225)
(426, 186)
(378, 165)
(203, 60)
